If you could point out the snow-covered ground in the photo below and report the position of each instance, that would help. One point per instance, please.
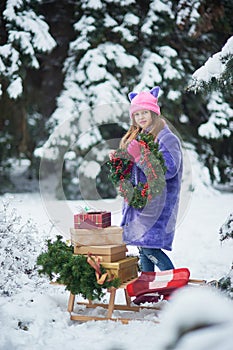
(36, 316)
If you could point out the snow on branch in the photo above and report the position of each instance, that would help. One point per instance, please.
(218, 124)
(226, 230)
(28, 34)
(215, 67)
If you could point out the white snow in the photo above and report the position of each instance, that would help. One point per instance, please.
(151, 23)
(15, 88)
(109, 21)
(91, 167)
(173, 95)
(92, 4)
(9, 53)
(214, 66)
(125, 32)
(36, 316)
(31, 33)
(131, 19)
(32, 25)
(86, 24)
(221, 114)
(150, 72)
(183, 118)
(162, 6)
(154, 63)
(188, 12)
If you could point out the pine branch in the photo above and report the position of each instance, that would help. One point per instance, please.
(59, 263)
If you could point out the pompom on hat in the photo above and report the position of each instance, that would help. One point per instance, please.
(145, 100)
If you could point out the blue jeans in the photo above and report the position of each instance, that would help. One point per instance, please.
(149, 257)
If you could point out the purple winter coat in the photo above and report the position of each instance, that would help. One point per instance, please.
(154, 225)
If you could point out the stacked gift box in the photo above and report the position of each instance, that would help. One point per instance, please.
(93, 234)
(107, 253)
(92, 219)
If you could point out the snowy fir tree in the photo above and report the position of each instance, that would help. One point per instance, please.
(24, 36)
(217, 70)
(226, 232)
(102, 50)
(19, 247)
(216, 77)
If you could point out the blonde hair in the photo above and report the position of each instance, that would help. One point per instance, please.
(158, 124)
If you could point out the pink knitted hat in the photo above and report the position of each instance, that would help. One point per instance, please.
(145, 100)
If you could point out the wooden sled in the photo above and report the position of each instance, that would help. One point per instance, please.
(154, 287)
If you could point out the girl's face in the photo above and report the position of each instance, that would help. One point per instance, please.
(143, 118)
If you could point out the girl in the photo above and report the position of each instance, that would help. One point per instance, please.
(152, 228)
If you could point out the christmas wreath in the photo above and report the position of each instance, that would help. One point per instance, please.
(153, 166)
(80, 274)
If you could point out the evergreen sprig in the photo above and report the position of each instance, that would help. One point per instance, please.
(73, 271)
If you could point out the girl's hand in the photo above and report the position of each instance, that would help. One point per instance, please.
(111, 154)
(134, 149)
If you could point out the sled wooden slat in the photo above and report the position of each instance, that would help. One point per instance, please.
(106, 306)
(196, 281)
(111, 306)
(120, 307)
(96, 318)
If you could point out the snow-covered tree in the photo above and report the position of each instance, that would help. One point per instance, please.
(97, 72)
(216, 77)
(125, 46)
(226, 232)
(24, 38)
(26, 34)
(217, 70)
(114, 52)
(20, 244)
(106, 49)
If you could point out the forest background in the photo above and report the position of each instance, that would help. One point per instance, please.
(66, 68)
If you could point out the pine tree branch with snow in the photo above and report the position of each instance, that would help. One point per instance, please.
(217, 70)
(226, 232)
(19, 248)
(27, 35)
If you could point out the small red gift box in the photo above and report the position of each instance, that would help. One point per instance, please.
(94, 219)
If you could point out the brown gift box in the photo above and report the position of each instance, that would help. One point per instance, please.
(125, 269)
(108, 253)
(92, 219)
(111, 235)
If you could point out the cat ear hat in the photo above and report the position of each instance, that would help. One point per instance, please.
(145, 100)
